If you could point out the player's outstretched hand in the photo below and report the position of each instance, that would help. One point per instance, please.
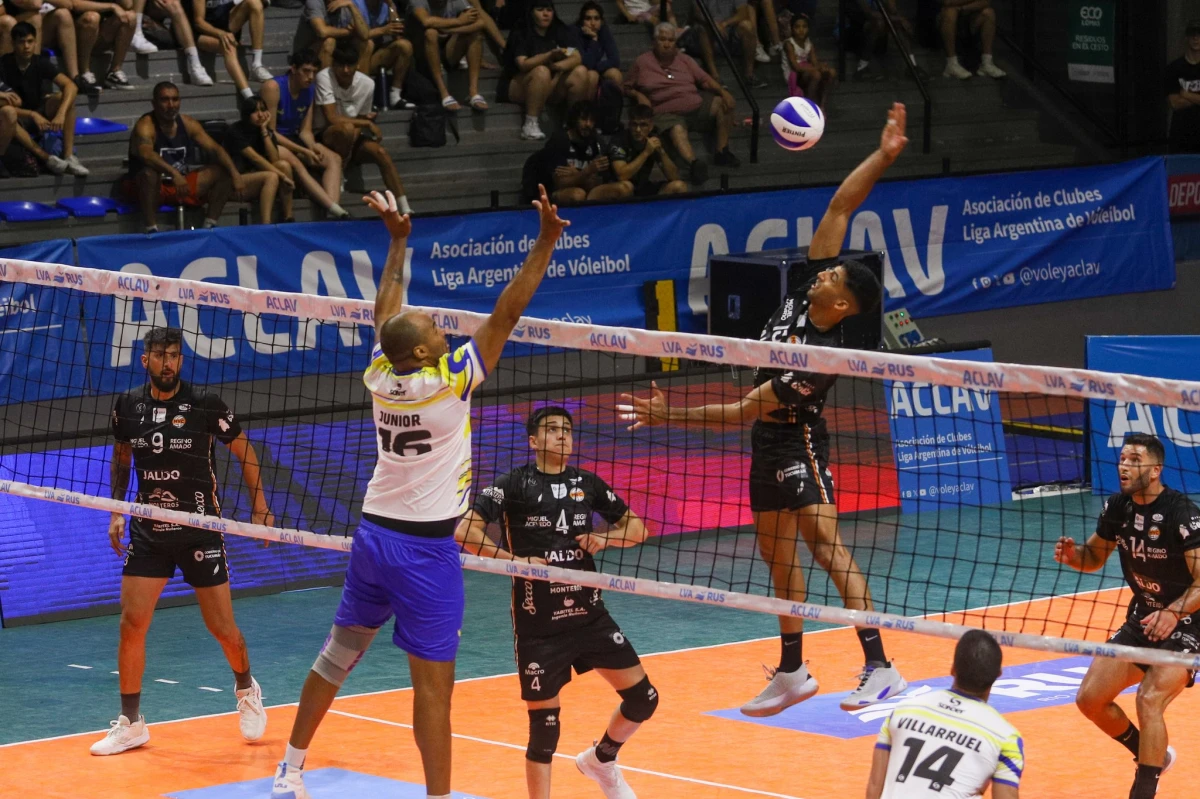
(893, 141)
(116, 532)
(398, 224)
(1065, 552)
(1159, 625)
(552, 224)
(644, 412)
(263, 517)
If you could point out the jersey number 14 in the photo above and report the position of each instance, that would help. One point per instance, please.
(938, 777)
(404, 443)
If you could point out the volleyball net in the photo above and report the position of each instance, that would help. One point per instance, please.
(953, 476)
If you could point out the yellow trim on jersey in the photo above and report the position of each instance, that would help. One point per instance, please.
(946, 720)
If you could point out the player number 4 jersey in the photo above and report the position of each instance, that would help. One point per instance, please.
(947, 745)
(423, 436)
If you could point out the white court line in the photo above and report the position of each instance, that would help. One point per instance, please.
(77, 666)
(214, 690)
(513, 673)
(168, 682)
(624, 767)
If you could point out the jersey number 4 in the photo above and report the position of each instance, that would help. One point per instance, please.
(939, 776)
(404, 443)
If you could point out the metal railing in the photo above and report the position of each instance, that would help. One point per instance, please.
(755, 121)
(909, 64)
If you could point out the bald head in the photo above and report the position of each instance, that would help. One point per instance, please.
(411, 339)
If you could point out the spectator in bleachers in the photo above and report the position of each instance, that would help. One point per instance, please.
(542, 64)
(191, 44)
(598, 47)
(635, 152)
(251, 145)
(492, 35)
(44, 117)
(385, 48)
(325, 24)
(864, 17)
(805, 73)
(25, 159)
(450, 30)
(644, 11)
(683, 97)
(7, 20)
(344, 97)
(222, 21)
(979, 18)
(736, 23)
(580, 167)
(112, 26)
(1183, 94)
(289, 99)
(162, 169)
(54, 25)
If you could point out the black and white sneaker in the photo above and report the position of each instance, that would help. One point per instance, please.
(88, 84)
(117, 79)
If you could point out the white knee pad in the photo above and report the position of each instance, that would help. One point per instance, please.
(344, 647)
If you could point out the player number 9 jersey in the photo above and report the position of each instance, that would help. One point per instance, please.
(947, 745)
(423, 436)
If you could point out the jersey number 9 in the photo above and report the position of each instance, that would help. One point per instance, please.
(404, 443)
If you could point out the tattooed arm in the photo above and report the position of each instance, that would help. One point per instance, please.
(118, 473)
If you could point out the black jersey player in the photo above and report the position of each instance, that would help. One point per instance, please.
(1156, 529)
(167, 429)
(544, 511)
(791, 487)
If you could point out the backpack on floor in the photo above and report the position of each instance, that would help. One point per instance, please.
(427, 128)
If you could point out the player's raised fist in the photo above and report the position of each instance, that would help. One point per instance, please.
(398, 224)
(552, 224)
(644, 412)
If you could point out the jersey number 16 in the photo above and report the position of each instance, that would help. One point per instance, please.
(404, 443)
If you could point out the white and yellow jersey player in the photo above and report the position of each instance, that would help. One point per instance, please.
(951, 744)
(423, 429)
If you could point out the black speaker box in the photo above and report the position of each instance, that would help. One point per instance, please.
(745, 289)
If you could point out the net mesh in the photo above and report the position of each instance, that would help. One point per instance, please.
(952, 479)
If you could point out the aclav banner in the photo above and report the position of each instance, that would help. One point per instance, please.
(948, 443)
(952, 245)
(1175, 357)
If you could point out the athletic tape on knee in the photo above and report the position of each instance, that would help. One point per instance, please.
(343, 648)
(543, 735)
(639, 702)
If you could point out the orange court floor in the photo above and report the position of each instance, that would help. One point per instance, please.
(682, 752)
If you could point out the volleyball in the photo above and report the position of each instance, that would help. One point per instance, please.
(797, 123)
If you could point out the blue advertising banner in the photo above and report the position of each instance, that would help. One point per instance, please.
(948, 443)
(37, 319)
(1175, 357)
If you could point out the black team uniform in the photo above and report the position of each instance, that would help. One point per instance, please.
(789, 465)
(1152, 540)
(556, 626)
(172, 443)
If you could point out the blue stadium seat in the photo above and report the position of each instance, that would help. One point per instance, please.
(93, 206)
(92, 126)
(24, 211)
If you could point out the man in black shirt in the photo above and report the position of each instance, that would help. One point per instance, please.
(791, 488)
(1157, 531)
(579, 166)
(544, 511)
(1183, 94)
(167, 429)
(635, 152)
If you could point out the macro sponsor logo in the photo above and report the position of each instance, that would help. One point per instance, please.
(160, 475)
(283, 304)
(983, 378)
(134, 285)
(609, 341)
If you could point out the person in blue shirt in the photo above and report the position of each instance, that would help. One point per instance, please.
(598, 47)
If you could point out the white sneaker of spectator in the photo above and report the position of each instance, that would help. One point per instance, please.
(396, 100)
(76, 167)
(760, 54)
(141, 45)
(56, 165)
(531, 130)
(955, 70)
(988, 69)
(260, 73)
(200, 76)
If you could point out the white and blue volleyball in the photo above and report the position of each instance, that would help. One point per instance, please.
(797, 123)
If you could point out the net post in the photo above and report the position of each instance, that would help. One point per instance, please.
(659, 298)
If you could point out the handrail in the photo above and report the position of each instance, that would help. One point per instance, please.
(927, 126)
(737, 76)
(1048, 76)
